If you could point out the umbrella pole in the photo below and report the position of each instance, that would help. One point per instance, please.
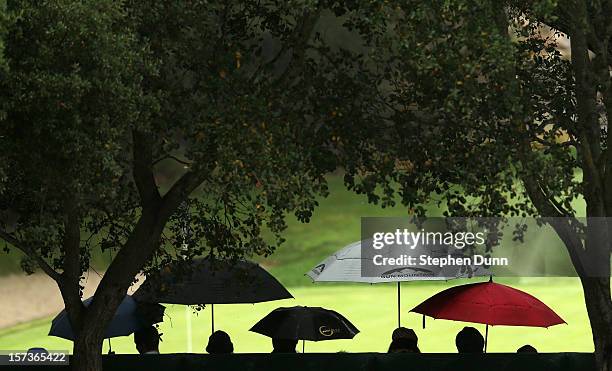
(399, 299)
(212, 317)
(303, 346)
(110, 348)
(188, 328)
(486, 337)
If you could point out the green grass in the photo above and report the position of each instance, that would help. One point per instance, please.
(335, 224)
(372, 308)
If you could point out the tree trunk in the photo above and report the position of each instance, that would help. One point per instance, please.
(599, 307)
(91, 322)
(94, 319)
(87, 350)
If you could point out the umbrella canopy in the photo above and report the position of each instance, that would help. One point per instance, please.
(129, 318)
(205, 282)
(202, 281)
(489, 303)
(345, 266)
(305, 323)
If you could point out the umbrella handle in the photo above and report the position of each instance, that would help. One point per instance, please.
(212, 318)
(188, 328)
(486, 337)
(399, 300)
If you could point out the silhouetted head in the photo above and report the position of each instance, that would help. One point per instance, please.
(527, 349)
(406, 333)
(284, 345)
(469, 340)
(38, 351)
(404, 345)
(219, 342)
(147, 340)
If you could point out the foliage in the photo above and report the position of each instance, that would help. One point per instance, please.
(4, 21)
(155, 131)
(73, 92)
(231, 104)
(95, 85)
(471, 104)
(465, 102)
(454, 109)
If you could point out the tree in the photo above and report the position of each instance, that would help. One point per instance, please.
(471, 103)
(4, 22)
(250, 104)
(102, 96)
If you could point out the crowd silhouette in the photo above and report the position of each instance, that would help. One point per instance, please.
(403, 340)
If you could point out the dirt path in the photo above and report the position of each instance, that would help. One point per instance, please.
(26, 298)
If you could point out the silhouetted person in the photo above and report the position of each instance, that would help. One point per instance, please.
(527, 349)
(469, 340)
(284, 345)
(403, 332)
(147, 340)
(38, 351)
(404, 345)
(219, 342)
(531, 363)
(404, 340)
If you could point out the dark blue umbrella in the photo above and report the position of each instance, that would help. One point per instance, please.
(130, 317)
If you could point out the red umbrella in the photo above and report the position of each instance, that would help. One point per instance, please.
(489, 303)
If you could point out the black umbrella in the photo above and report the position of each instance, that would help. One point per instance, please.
(202, 281)
(305, 323)
(129, 318)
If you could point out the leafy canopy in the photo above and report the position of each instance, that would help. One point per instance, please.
(115, 109)
(467, 103)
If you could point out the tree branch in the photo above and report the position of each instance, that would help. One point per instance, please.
(607, 175)
(586, 106)
(30, 252)
(71, 277)
(301, 35)
(143, 169)
(562, 224)
(561, 21)
(557, 218)
(607, 7)
(183, 162)
(144, 239)
(180, 190)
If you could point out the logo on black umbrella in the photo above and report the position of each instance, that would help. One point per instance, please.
(327, 331)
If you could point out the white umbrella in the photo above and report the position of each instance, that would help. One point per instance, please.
(345, 266)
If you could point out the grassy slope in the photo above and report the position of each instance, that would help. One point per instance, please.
(335, 224)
